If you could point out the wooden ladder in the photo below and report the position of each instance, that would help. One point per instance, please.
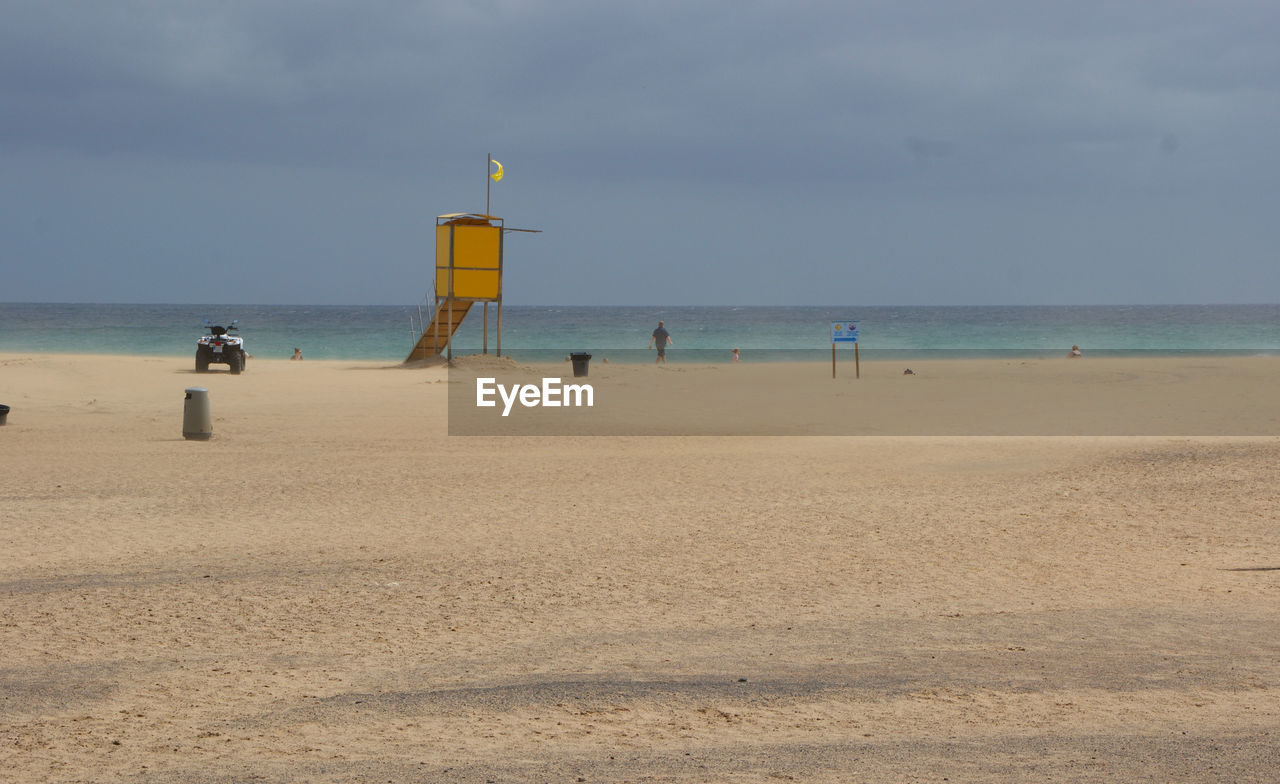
(446, 321)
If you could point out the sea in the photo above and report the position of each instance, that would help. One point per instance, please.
(621, 334)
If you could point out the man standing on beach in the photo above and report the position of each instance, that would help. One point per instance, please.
(662, 338)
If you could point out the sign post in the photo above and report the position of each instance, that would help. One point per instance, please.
(845, 332)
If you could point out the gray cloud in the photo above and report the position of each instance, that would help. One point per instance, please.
(737, 111)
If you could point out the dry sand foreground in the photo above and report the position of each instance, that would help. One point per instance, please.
(334, 590)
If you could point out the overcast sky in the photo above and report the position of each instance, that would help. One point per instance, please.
(873, 153)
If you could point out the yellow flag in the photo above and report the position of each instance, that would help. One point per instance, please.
(497, 176)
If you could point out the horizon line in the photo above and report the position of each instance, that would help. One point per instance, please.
(651, 305)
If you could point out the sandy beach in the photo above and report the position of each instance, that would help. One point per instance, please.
(1008, 571)
(1155, 396)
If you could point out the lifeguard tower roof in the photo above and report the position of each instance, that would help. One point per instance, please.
(467, 218)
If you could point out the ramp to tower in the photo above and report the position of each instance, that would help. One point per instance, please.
(448, 317)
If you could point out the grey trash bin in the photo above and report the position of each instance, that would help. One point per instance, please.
(197, 423)
(4, 414)
(580, 362)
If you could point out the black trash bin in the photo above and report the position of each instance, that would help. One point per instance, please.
(580, 362)
(4, 413)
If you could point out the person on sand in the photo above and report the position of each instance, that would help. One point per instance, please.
(736, 356)
(663, 339)
(297, 354)
(1075, 352)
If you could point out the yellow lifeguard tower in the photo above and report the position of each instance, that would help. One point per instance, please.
(468, 270)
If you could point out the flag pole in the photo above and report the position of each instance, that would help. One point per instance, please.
(487, 167)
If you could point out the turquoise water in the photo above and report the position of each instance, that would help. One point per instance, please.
(701, 334)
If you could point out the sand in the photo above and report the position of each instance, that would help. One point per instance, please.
(333, 589)
(1010, 397)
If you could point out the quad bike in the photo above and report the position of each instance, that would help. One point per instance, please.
(220, 347)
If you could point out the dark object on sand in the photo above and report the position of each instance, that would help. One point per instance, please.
(580, 362)
(908, 372)
(4, 413)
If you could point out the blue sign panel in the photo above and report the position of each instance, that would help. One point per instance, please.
(844, 332)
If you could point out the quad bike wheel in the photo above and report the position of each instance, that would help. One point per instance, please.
(203, 355)
(236, 361)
